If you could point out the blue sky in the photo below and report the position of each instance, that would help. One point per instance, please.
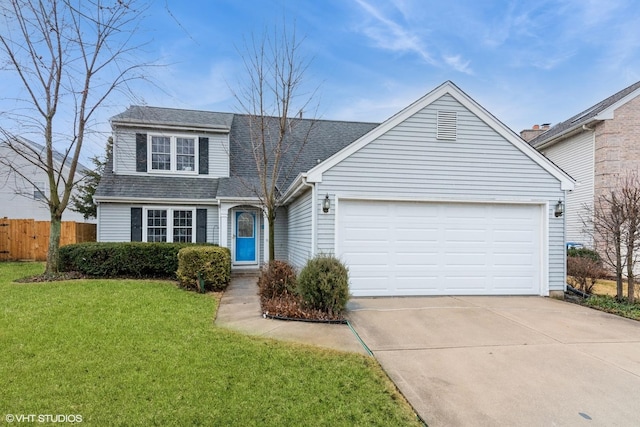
(527, 62)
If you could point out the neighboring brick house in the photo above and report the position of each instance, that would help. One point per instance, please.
(595, 147)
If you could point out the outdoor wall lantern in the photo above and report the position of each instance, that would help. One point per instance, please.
(326, 204)
(559, 209)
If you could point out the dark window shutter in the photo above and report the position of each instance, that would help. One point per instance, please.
(201, 225)
(203, 164)
(141, 152)
(136, 224)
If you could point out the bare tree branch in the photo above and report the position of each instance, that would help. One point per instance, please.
(275, 71)
(69, 57)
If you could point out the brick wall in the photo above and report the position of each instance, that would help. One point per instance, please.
(617, 146)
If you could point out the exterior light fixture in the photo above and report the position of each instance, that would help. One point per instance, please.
(559, 209)
(326, 204)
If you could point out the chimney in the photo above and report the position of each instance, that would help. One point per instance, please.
(529, 134)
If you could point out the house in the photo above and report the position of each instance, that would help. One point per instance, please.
(595, 147)
(23, 196)
(440, 199)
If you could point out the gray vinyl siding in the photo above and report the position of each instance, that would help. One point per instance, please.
(125, 151)
(408, 162)
(114, 221)
(576, 156)
(281, 233)
(213, 235)
(299, 241)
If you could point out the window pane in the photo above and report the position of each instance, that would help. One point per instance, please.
(185, 154)
(38, 190)
(182, 226)
(160, 153)
(156, 225)
(245, 225)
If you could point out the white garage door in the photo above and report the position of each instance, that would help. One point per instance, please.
(406, 248)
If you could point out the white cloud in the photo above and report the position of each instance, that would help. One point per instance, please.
(457, 63)
(390, 35)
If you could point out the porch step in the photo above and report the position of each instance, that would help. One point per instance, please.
(254, 272)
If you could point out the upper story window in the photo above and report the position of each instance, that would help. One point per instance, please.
(172, 153)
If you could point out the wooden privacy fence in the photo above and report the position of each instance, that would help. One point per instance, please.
(27, 239)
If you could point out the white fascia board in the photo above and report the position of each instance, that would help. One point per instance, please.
(567, 183)
(293, 189)
(170, 126)
(251, 200)
(607, 113)
(154, 200)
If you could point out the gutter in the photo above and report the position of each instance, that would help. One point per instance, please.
(566, 134)
(102, 199)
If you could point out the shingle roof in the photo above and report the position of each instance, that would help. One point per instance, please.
(583, 117)
(155, 187)
(312, 141)
(40, 150)
(174, 117)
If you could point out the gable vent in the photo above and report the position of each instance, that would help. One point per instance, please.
(447, 125)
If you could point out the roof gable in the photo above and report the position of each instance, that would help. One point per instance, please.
(447, 88)
(603, 110)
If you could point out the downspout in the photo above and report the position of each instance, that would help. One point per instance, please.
(314, 214)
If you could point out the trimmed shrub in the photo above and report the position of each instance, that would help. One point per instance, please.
(212, 264)
(276, 279)
(583, 273)
(128, 259)
(583, 253)
(323, 284)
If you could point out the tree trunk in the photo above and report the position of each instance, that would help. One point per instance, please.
(619, 288)
(54, 245)
(271, 218)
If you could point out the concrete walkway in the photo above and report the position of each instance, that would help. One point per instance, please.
(240, 310)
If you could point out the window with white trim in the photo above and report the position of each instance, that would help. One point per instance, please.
(169, 225)
(173, 153)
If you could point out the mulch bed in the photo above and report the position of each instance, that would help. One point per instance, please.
(67, 275)
(291, 307)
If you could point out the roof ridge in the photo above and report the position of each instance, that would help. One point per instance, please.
(584, 115)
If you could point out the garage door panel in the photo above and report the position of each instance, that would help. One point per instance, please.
(407, 248)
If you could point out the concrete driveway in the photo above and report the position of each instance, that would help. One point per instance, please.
(489, 361)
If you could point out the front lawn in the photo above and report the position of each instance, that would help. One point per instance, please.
(134, 352)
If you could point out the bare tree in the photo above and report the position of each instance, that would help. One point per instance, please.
(66, 57)
(630, 194)
(82, 202)
(614, 223)
(606, 221)
(273, 100)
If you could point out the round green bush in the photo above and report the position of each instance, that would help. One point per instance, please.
(276, 279)
(323, 284)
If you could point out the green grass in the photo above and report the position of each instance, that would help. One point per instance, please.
(134, 352)
(611, 305)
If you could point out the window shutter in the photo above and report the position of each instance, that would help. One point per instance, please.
(141, 152)
(201, 225)
(203, 161)
(136, 224)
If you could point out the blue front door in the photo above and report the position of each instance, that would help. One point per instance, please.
(245, 237)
